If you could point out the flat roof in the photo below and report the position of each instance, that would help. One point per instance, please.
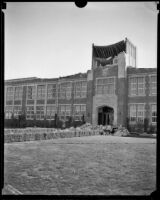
(35, 79)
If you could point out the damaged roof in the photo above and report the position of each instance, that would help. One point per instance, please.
(110, 50)
(44, 80)
(79, 75)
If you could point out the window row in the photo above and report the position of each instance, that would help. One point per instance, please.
(14, 93)
(137, 86)
(10, 111)
(64, 112)
(105, 86)
(137, 113)
(80, 89)
(64, 91)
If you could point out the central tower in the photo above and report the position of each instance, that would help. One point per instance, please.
(110, 88)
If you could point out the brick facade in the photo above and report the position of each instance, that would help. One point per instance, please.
(119, 101)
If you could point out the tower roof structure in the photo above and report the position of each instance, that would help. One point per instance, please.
(110, 50)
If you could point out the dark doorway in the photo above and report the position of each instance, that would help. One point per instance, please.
(105, 115)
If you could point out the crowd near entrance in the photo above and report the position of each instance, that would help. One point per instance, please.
(105, 116)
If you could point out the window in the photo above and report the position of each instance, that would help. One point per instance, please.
(136, 86)
(154, 113)
(50, 112)
(65, 90)
(133, 86)
(132, 113)
(30, 112)
(31, 91)
(8, 112)
(153, 85)
(62, 111)
(79, 111)
(51, 91)
(105, 86)
(68, 110)
(65, 111)
(41, 92)
(17, 111)
(140, 113)
(39, 112)
(136, 113)
(80, 89)
(9, 93)
(18, 93)
(141, 85)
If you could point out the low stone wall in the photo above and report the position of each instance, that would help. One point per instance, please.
(32, 135)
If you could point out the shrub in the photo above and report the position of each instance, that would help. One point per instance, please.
(45, 122)
(140, 127)
(52, 123)
(34, 120)
(8, 123)
(83, 120)
(127, 123)
(22, 121)
(56, 121)
(69, 123)
(15, 123)
(59, 123)
(152, 129)
(30, 123)
(146, 123)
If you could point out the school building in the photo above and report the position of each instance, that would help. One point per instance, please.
(114, 91)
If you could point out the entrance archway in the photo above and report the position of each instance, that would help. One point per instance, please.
(105, 115)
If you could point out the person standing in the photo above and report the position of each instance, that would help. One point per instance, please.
(109, 129)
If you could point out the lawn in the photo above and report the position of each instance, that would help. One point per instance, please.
(95, 165)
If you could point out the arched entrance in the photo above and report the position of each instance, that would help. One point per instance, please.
(105, 115)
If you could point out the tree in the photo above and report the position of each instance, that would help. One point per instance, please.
(45, 122)
(139, 127)
(146, 123)
(127, 123)
(34, 120)
(14, 121)
(83, 119)
(22, 120)
(56, 120)
(70, 121)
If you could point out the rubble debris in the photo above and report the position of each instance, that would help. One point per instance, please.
(87, 129)
(121, 131)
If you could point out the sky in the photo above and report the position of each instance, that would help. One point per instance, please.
(51, 39)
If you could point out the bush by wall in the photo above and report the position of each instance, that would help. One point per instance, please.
(16, 123)
(21, 122)
(146, 124)
(139, 127)
(152, 129)
(127, 123)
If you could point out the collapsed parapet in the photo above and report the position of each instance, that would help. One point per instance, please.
(108, 55)
(110, 50)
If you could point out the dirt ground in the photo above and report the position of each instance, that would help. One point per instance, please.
(95, 165)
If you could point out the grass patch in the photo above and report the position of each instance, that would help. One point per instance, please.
(97, 165)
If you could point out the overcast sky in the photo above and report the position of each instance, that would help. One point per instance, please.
(48, 40)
